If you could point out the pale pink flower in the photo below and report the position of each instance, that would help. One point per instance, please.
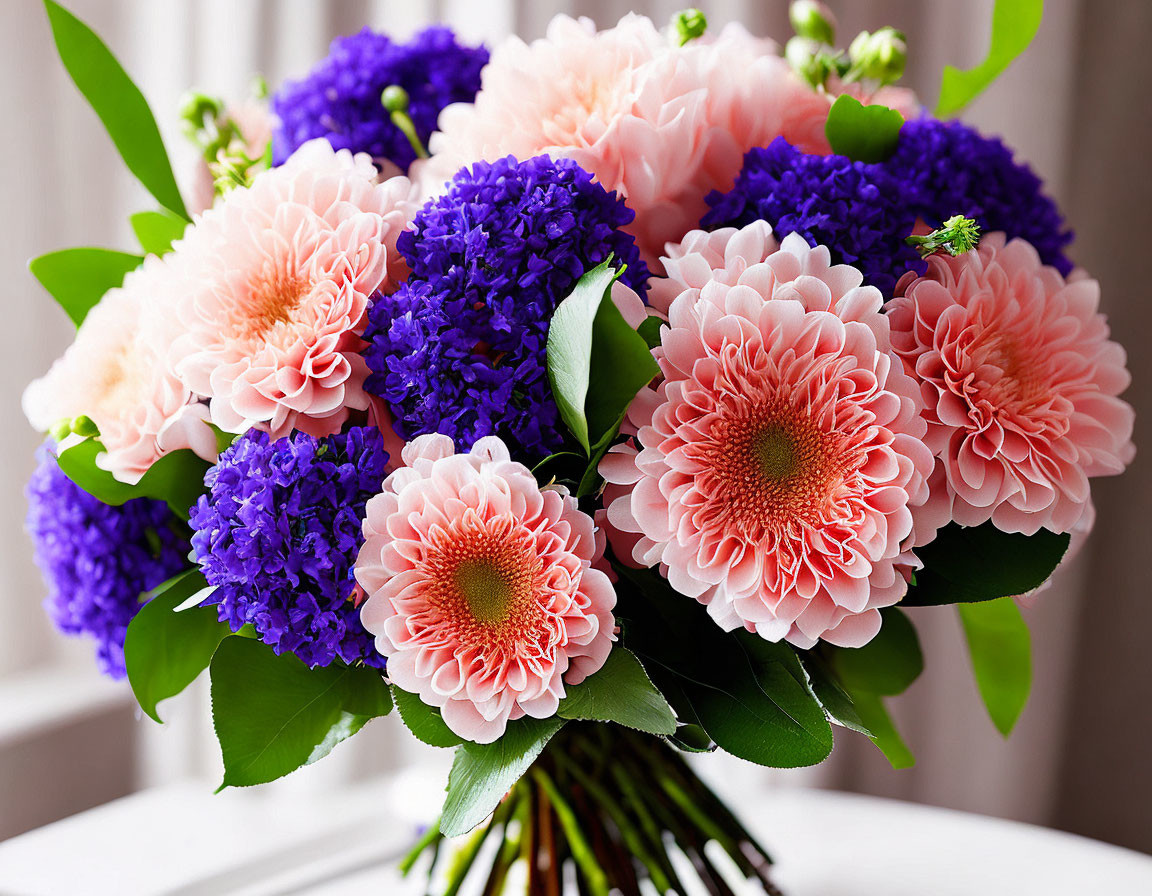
(1020, 383)
(115, 372)
(483, 590)
(663, 125)
(276, 283)
(778, 463)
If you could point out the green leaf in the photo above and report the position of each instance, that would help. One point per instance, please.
(177, 477)
(620, 692)
(596, 362)
(862, 133)
(273, 714)
(882, 732)
(887, 664)
(1001, 651)
(965, 565)
(118, 102)
(78, 278)
(483, 773)
(649, 330)
(424, 721)
(838, 706)
(165, 650)
(157, 231)
(1014, 24)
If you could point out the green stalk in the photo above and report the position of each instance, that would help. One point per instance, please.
(581, 852)
(462, 862)
(509, 849)
(648, 824)
(431, 836)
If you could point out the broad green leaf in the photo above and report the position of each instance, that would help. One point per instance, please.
(887, 664)
(596, 362)
(157, 231)
(78, 278)
(165, 650)
(862, 133)
(692, 739)
(881, 730)
(838, 706)
(483, 773)
(620, 692)
(649, 330)
(424, 721)
(177, 477)
(1001, 651)
(1014, 24)
(119, 103)
(965, 565)
(273, 714)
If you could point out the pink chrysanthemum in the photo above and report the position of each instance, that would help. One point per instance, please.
(276, 283)
(779, 461)
(1020, 382)
(663, 125)
(115, 373)
(482, 589)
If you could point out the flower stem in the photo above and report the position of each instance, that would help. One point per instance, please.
(581, 852)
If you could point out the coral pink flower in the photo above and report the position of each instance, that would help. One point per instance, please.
(276, 283)
(482, 589)
(1020, 381)
(779, 461)
(116, 374)
(662, 125)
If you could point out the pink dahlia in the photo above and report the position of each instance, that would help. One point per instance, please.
(1020, 382)
(778, 463)
(276, 283)
(115, 373)
(663, 125)
(482, 590)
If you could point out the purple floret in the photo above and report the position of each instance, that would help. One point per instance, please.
(340, 98)
(859, 211)
(948, 168)
(278, 533)
(98, 560)
(460, 348)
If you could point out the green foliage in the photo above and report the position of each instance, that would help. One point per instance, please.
(424, 721)
(78, 278)
(620, 692)
(1014, 24)
(483, 773)
(156, 231)
(838, 706)
(862, 133)
(750, 696)
(977, 563)
(881, 729)
(165, 650)
(596, 362)
(1001, 651)
(273, 714)
(176, 478)
(119, 103)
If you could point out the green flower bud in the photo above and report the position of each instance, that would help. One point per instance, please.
(689, 24)
(813, 20)
(85, 426)
(878, 57)
(810, 60)
(197, 108)
(394, 99)
(955, 236)
(61, 431)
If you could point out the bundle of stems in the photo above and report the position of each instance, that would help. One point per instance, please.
(612, 805)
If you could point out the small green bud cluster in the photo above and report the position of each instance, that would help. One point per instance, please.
(689, 24)
(83, 426)
(955, 236)
(877, 59)
(209, 126)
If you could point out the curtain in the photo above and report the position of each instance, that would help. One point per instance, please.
(1075, 106)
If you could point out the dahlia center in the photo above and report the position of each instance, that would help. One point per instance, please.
(488, 590)
(272, 301)
(776, 452)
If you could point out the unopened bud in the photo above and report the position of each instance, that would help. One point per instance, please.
(689, 25)
(813, 20)
(809, 60)
(394, 99)
(878, 57)
(196, 108)
(85, 426)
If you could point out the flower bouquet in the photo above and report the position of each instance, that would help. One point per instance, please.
(592, 402)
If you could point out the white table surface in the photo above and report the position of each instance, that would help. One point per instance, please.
(182, 840)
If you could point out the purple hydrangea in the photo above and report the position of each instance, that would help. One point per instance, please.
(98, 560)
(278, 532)
(859, 211)
(459, 349)
(340, 97)
(947, 168)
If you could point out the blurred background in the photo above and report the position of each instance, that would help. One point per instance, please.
(1076, 106)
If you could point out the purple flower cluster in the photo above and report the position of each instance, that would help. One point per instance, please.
(340, 97)
(97, 560)
(859, 211)
(947, 168)
(278, 533)
(460, 348)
